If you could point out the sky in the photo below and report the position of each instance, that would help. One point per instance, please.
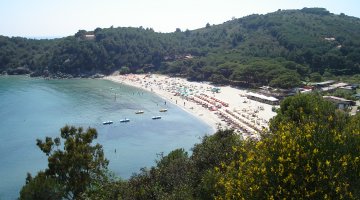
(58, 18)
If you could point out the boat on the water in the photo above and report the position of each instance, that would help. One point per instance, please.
(124, 120)
(139, 112)
(156, 117)
(107, 122)
(163, 110)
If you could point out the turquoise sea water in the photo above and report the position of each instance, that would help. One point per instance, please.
(35, 108)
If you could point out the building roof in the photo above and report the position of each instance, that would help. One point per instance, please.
(323, 83)
(260, 96)
(89, 36)
(334, 86)
(337, 99)
(348, 87)
(339, 84)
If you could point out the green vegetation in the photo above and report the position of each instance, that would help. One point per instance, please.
(346, 94)
(311, 154)
(71, 171)
(312, 151)
(280, 49)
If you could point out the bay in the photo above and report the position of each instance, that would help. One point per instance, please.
(35, 108)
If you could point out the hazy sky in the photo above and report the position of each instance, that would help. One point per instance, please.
(34, 18)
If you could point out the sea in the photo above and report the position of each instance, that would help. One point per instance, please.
(33, 108)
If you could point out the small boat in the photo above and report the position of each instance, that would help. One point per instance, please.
(124, 120)
(139, 112)
(163, 110)
(107, 122)
(156, 117)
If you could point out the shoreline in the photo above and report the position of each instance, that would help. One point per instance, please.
(212, 123)
(219, 107)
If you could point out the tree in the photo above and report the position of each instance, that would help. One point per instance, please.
(111, 187)
(214, 149)
(303, 108)
(124, 70)
(187, 33)
(303, 158)
(169, 179)
(140, 71)
(80, 34)
(347, 94)
(41, 187)
(174, 174)
(97, 30)
(218, 79)
(210, 153)
(286, 81)
(75, 167)
(315, 77)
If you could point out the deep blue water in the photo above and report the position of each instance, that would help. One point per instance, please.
(34, 108)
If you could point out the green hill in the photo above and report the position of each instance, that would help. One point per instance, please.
(280, 49)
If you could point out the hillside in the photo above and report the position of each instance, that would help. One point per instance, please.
(280, 49)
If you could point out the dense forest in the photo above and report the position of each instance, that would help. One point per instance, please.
(279, 49)
(311, 151)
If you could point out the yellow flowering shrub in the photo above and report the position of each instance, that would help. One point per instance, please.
(308, 160)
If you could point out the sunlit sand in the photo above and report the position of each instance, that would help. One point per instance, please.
(219, 107)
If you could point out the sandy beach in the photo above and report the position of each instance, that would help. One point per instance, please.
(219, 107)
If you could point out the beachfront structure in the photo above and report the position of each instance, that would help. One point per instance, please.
(329, 39)
(322, 84)
(335, 86)
(262, 98)
(89, 37)
(340, 103)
